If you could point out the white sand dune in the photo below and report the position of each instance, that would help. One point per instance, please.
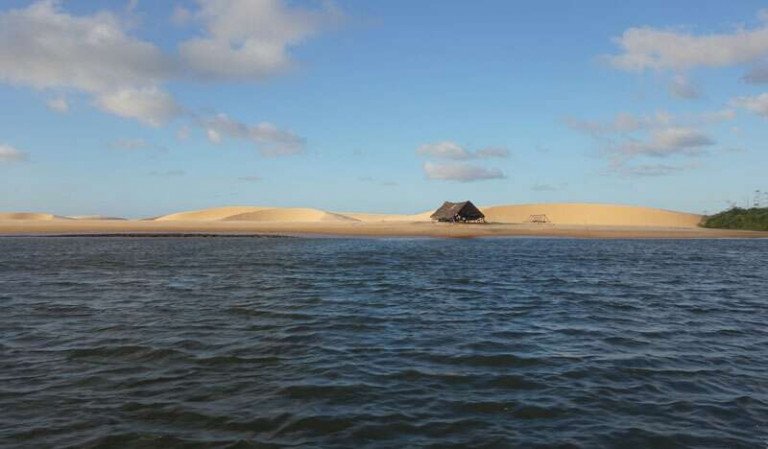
(580, 214)
(92, 217)
(290, 215)
(567, 220)
(30, 216)
(384, 218)
(213, 214)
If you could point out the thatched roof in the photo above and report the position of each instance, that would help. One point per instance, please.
(463, 211)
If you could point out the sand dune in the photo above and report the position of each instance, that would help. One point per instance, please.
(30, 216)
(579, 214)
(383, 218)
(290, 215)
(567, 220)
(92, 217)
(216, 213)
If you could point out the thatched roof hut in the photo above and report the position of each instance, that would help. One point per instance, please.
(463, 212)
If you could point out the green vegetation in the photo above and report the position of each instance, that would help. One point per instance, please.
(755, 219)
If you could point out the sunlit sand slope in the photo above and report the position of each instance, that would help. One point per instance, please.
(290, 215)
(577, 214)
(93, 217)
(216, 213)
(29, 216)
(383, 218)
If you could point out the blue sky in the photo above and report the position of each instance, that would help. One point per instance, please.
(140, 108)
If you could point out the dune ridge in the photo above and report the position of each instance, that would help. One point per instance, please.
(211, 214)
(290, 215)
(588, 214)
(92, 217)
(34, 216)
(566, 220)
(384, 218)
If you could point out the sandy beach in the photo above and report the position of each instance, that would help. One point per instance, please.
(565, 220)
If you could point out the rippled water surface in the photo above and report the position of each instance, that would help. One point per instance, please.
(332, 343)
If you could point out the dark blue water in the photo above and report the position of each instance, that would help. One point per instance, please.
(268, 343)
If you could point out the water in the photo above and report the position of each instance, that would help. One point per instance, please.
(332, 343)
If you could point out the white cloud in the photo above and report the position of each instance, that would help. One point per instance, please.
(452, 150)
(461, 172)
(58, 104)
(758, 104)
(668, 142)
(151, 106)
(492, 152)
(270, 140)
(625, 123)
(622, 123)
(134, 145)
(181, 16)
(248, 39)
(11, 154)
(662, 135)
(757, 74)
(656, 49)
(654, 170)
(44, 47)
(443, 150)
(682, 88)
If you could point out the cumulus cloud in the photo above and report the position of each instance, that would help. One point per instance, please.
(133, 145)
(44, 47)
(653, 170)
(682, 88)
(628, 137)
(11, 154)
(625, 123)
(622, 123)
(461, 172)
(668, 142)
(443, 150)
(452, 150)
(58, 104)
(248, 39)
(270, 140)
(151, 106)
(656, 49)
(757, 104)
(757, 74)
(492, 152)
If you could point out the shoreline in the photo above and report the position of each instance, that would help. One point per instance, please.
(187, 229)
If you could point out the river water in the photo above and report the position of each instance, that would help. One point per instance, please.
(383, 343)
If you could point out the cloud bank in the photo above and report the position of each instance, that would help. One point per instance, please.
(452, 150)
(11, 154)
(44, 47)
(461, 172)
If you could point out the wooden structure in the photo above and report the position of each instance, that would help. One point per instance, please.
(539, 219)
(463, 212)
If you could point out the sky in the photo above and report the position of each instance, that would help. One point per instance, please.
(141, 108)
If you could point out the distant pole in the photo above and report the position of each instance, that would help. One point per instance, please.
(757, 198)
